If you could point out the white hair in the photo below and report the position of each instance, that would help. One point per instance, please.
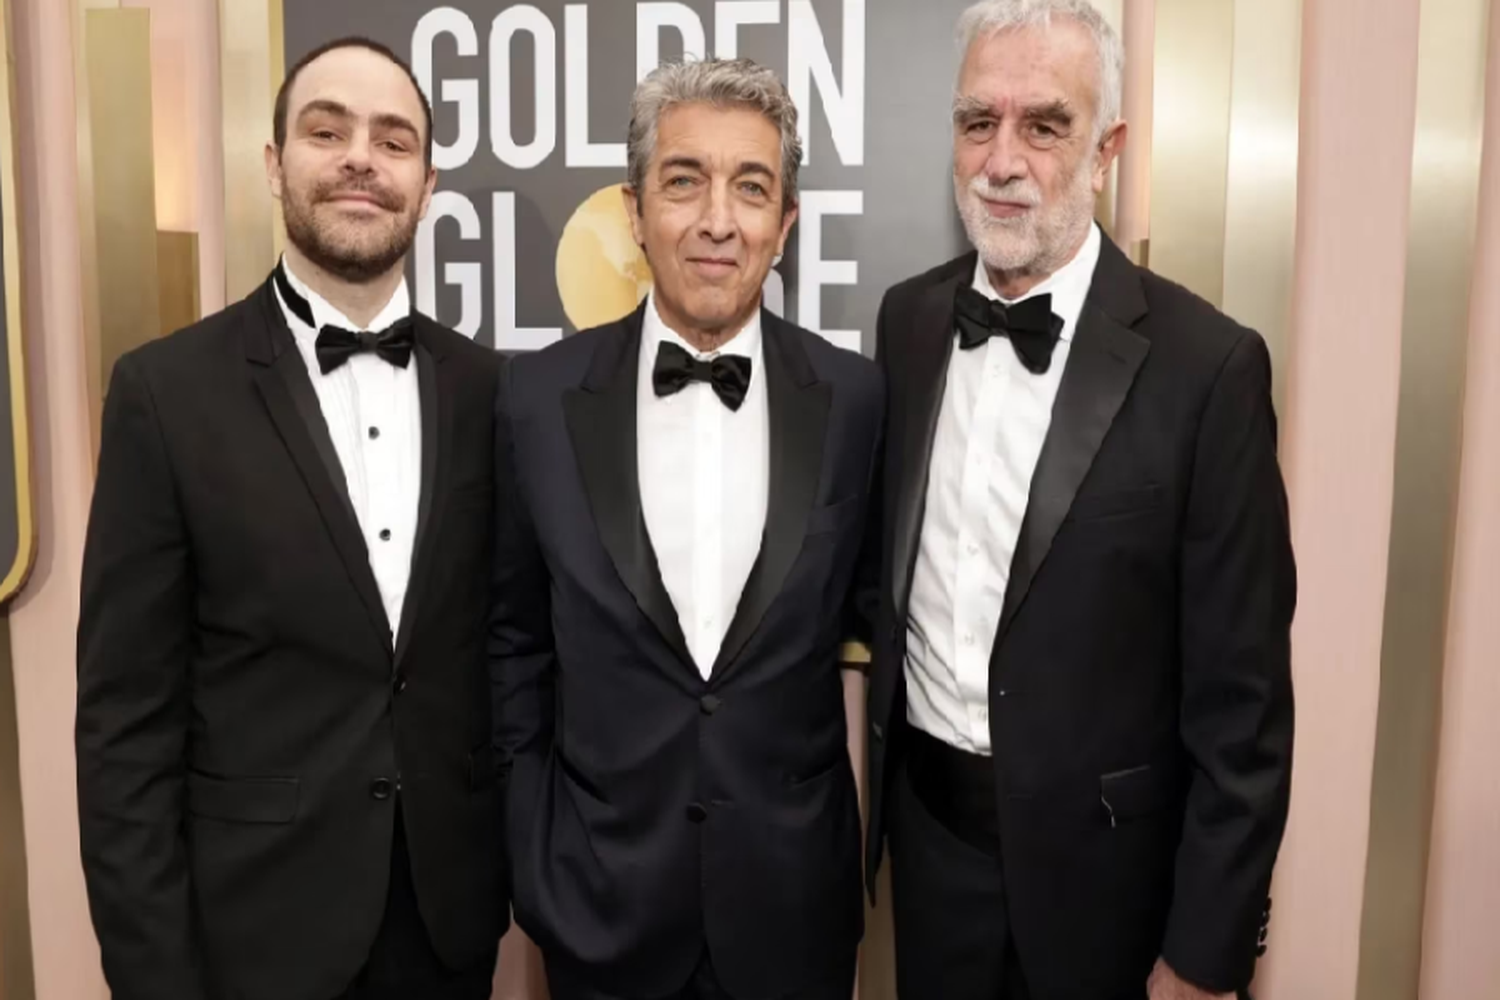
(989, 17)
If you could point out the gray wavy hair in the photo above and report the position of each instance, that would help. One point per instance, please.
(989, 17)
(723, 83)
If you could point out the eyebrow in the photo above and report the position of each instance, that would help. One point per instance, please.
(324, 106)
(755, 167)
(685, 162)
(1058, 111)
(968, 108)
(385, 120)
(395, 122)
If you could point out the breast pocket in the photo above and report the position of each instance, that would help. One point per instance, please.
(1116, 503)
(832, 517)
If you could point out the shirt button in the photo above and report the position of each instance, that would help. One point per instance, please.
(385, 534)
(969, 639)
(380, 788)
(973, 549)
(696, 813)
(374, 433)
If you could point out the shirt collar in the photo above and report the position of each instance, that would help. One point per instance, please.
(325, 314)
(1068, 285)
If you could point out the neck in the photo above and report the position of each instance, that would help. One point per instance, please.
(705, 339)
(360, 301)
(1012, 284)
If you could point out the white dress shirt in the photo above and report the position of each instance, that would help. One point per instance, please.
(374, 417)
(704, 474)
(994, 419)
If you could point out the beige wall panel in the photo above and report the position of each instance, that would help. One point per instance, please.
(1190, 142)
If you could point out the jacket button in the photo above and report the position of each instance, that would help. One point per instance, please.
(380, 788)
(710, 703)
(399, 684)
(696, 813)
(878, 731)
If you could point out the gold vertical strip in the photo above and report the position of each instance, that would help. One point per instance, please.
(1190, 142)
(177, 270)
(87, 245)
(249, 71)
(17, 976)
(1260, 212)
(1104, 209)
(14, 575)
(1440, 249)
(276, 49)
(118, 46)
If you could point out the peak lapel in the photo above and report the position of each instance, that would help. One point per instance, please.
(797, 404)
(601, 417)
(281, 376)
(1105, 357)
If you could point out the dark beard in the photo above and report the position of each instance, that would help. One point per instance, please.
(354, 265)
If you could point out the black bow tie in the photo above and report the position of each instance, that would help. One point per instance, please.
(393, 344)
(335, 345)
(1030, 325)
(729, 374)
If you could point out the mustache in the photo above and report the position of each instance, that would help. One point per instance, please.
(389, 200)
(1018, 192)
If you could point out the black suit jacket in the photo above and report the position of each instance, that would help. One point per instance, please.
(1140, 691)
(651, 811)
(246, 728)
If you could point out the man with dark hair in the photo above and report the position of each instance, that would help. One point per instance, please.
(279, 115)
(285, 781)
(680, 496)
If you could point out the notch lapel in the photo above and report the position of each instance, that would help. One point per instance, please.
(927, 377)
(1103, 362)
(601, 418)
(797, 405)
(281, 376)
(436, 403)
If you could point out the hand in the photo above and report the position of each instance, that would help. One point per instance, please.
(1164, 984)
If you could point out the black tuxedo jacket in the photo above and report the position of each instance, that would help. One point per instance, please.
(1140, 691)
(247, 732)
(651, 811)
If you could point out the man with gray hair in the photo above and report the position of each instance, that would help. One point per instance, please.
(680, 498)
(1080, 701)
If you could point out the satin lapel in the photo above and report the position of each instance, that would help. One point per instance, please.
(281, 376)
(1102, 365)
(601, 417)
(437, 432)
(925, 364)
(798, 409)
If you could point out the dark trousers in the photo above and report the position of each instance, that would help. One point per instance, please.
(402, 964)
(953, 938)
(704, 985)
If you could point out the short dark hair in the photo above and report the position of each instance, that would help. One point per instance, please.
(278, 121)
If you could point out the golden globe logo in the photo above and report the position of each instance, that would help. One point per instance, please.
(602, 274)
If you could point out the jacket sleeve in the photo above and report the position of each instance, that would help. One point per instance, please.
(1238, 587)
(135, 635)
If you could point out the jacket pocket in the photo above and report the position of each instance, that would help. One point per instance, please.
(242, 800)
(1137, 792)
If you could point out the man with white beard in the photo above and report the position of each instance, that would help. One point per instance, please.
(1080, 585)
